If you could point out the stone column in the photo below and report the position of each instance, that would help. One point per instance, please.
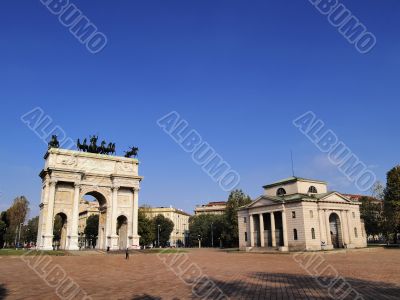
(45, 191)
(73, 234)
(251, 233)
(273, 236)
(322, 230)
(114, 216)
(328, 230)
(343, 226)
(261, 230)
(48, 237)
(135, 209)
(285, 233)
(349, 226)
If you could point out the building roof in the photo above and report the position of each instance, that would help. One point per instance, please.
(295, 198)
(292, 179)
(357, 197)
(164, 209)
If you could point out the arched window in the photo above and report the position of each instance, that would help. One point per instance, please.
(313, 233)
(312, 189)
(295, 234)
(280, 192)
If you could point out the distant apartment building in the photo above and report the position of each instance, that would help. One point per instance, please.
(212, 208)
(86, 209)
(180, 219)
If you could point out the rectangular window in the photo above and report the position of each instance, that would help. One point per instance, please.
(311, 214)
(244, 220)
(354, 215)
(355, 232)
(245, 236)
(293, 214)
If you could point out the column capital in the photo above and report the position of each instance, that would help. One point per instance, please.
(53, 181)
(77, 184)
(115, 188)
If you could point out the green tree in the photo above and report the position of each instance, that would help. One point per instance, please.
(165, 227)
(236, 199)
(371, 213)
(92, 229)
(30, 230)
(16, 215)
(209, 228)
(392, 203)
(145, 228)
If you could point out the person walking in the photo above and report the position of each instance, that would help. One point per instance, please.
(127, 253)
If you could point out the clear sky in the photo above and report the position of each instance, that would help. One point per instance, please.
(238, 71)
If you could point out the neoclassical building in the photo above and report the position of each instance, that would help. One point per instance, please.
(298, 214)
(180, 219)
(113, 181)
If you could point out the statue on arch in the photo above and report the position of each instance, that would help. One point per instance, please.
(133, 151)
(53, 142)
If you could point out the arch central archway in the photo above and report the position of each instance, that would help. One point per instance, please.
(93, 220)
(335, 231)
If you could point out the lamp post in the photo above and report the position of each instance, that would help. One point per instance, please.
(212, 235)
(199, 237)
(158, 235)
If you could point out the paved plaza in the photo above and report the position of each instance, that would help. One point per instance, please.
(374, 273)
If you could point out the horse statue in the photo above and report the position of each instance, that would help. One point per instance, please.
(53, 142)
(133, 151)
(92, 148)
(102, 149)
(82, 147)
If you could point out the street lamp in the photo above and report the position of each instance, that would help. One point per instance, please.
(158, 235)
(199, 237)
(212, 236)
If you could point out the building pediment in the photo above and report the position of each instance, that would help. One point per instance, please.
(334, 197)
(263, 201)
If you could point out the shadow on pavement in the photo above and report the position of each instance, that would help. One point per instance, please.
(262, 285)
(145, 297)
(3, 292)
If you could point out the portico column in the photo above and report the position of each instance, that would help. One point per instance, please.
(322, 230)
(343, 224)
(73, 234)
(328, 229)
(114, 214)
(349, 226)
(251, 231)
(285, 233)
(48, 238)
(273, 229)
(261, 230)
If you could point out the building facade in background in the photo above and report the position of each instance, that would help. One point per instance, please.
(213, 208)
(300, 214)
(179, 234)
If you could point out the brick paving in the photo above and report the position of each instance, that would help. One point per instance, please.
(374, 273)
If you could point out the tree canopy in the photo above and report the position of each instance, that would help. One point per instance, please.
(166, 226)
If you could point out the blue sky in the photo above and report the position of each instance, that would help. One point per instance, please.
(238, 71)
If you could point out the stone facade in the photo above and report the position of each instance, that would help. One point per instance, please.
(70, 175)
(211, 208)
(178, 217)
(299, 214)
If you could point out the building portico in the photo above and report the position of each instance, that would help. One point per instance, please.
(310, 218)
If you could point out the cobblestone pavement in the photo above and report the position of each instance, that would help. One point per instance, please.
(374, 273)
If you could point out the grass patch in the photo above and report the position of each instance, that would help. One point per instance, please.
(13, 252)
(164, 251)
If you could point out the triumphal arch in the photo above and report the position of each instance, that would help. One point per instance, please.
(113, 181)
